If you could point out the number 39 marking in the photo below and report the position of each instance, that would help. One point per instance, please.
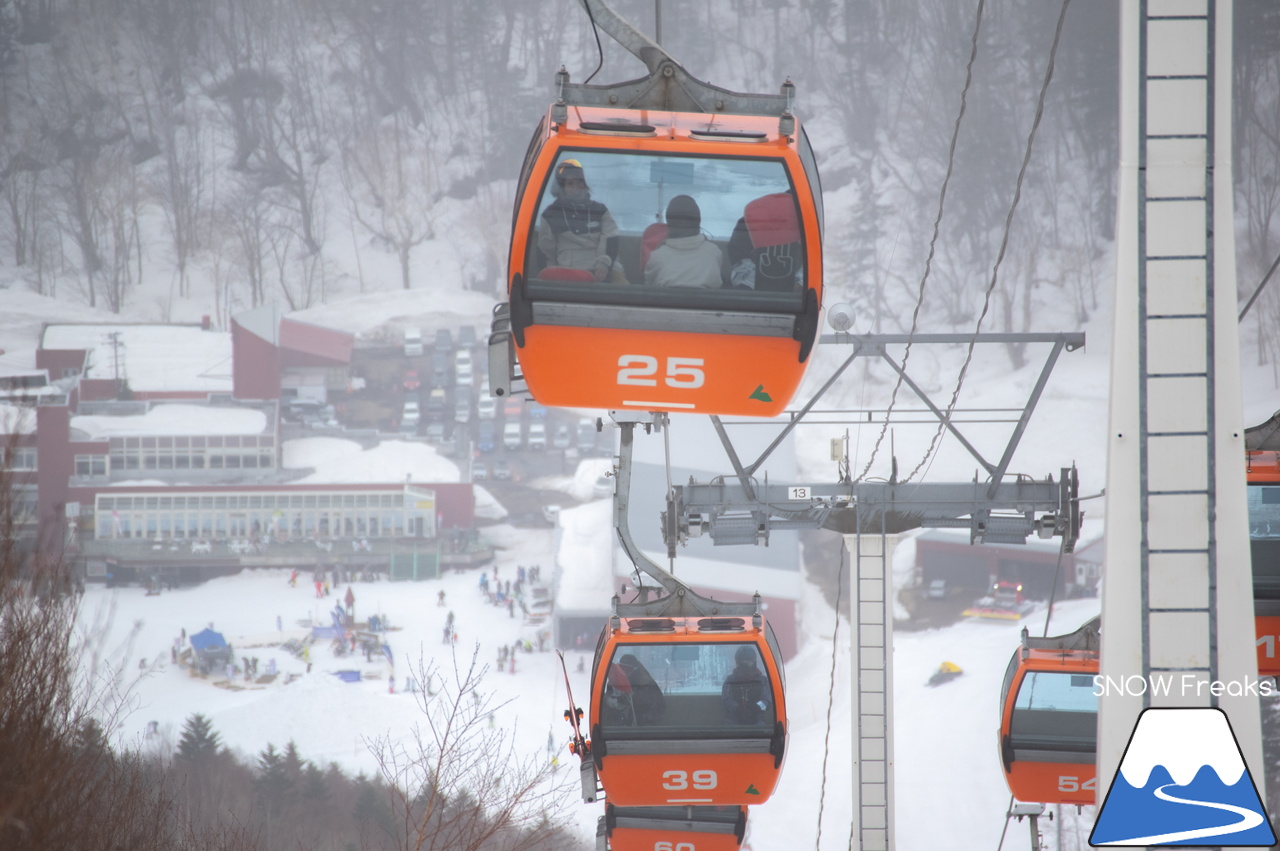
(702, 779)
(641, 370)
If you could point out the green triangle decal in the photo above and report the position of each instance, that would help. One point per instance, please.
(752, 790)
(760, 395)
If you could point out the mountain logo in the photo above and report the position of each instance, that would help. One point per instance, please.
(760, 396)
(1182, 781)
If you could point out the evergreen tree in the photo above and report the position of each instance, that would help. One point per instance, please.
(274, 783)
(314, 788)
(199, 742)
(292, 763)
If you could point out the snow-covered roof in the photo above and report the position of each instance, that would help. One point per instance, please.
(16, 419)
(154, 358)
(172, 419)
(339, 461)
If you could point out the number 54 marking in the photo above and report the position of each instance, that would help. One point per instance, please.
(641, 370)
(1067, 783)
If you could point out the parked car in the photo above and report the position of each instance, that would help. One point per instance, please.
(464, 375)
(486, 407)
(412, 343)
(502, 469)
(537, 412)
(537, 438)
(479, 471)
(512, 409)
(436, 403)
(444, 342)
(466, 336)
(512, 435)
(551, 513)
(562, 439)
(486, 437)
(410, 381)
(297, 410)
(410, 416)
(435, 432)
(462, 404)
(439, 372)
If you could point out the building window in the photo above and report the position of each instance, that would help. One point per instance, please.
(91, 465)
(22, 458)
(25, 503)
(70, 371)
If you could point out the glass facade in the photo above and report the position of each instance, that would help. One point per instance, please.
(280, 516)
(211, 452)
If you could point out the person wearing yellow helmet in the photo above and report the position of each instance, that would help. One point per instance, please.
(576, 231)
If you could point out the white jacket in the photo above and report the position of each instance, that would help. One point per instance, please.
(685, 261)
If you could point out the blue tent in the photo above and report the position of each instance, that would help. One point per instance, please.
(207, 639)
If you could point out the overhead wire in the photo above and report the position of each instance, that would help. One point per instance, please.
(937, 222)
(1004, 240)
(831, 688)
(599, 48)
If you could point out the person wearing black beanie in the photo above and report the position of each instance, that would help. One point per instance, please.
(686, 258)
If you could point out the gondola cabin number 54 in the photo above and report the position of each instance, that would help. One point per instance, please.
(642, 371)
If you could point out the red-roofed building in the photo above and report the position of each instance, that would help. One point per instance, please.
(274, 357)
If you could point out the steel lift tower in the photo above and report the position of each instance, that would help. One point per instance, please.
(1177, 598)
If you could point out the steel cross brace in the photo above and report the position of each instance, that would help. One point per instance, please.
(1006, 513)
(875, 345)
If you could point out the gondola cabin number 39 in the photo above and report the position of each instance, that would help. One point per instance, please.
(674, 780)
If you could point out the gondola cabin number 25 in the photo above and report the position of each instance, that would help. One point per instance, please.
(643, 371)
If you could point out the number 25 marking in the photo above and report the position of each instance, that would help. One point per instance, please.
(640, 370)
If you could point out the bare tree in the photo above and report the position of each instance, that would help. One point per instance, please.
(392, 187)
(463, 785)
(61, 784)
(22, 187)
(248, 217)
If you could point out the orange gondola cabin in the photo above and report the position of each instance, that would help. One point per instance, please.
(1049, 718)
(688, 711)
(665, 261)
(1263, 475)
(1048, 726)
(676, 828)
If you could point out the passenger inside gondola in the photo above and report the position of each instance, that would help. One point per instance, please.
(632, 698)
(577, 235)
(702, 688)
(746, 692)
(685, 257)
(765, 248)
(653, 231)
